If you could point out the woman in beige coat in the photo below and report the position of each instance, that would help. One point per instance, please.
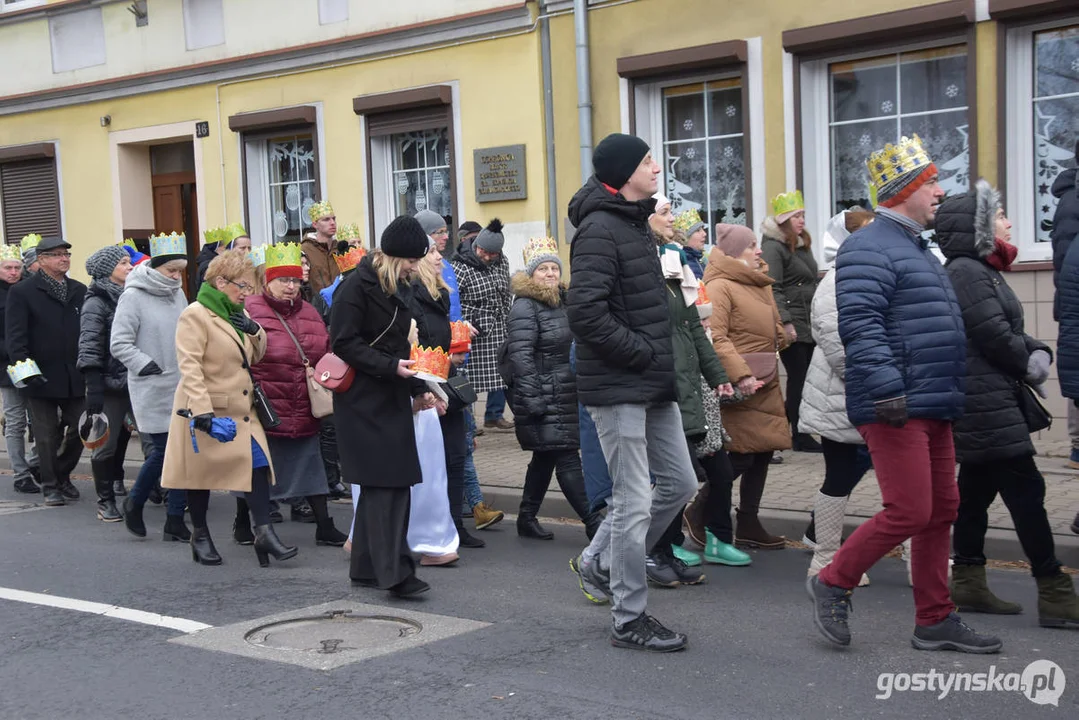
(745, 320)
(215, 342)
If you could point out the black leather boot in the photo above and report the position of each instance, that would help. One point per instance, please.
(529, 527)
(267, 543)
(176, 529)
(202, 547)
(133, 518)
(327, 534)
(107, 512)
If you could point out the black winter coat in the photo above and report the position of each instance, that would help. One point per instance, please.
(95, 330)
(992, 426)
(796, 277)
(617, 302)
(5, 381)
(203, 259)
(1065, 226)
(433, 326)
(39, 326)
(374, 416)
(534, 363)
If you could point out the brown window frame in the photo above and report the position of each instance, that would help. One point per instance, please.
(20, 163)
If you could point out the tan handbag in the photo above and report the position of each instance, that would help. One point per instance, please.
(321, 398)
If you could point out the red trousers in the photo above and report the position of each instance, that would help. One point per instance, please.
(915, 467)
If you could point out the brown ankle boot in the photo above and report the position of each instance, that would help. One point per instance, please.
(749, 533)
(693, 517)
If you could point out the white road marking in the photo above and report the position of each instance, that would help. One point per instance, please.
(95, 608)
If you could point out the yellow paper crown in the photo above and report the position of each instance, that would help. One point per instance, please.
(538, 246)
(788, 202)
(895, 161)
(29, 242)
(215, 235)
(348, 231)
(282, 255)
(319, 210)
(233, 231)
(129, 242)
(173, 244)
(9, 251)
(350, 260)
(686, 219)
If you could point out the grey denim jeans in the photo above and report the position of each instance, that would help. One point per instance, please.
(637, 438)
(15, 421)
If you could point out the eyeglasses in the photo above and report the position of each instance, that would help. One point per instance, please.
(54, 255)
(290, 281)
(244, 287)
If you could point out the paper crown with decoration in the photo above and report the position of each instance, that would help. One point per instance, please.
(433, 363)
(258, 255)
(319, 210)
(687, 221)
(283, 260)
(460, 337)
(348, 232)
(10, 252)
(350, 260)
(786, 204)
(20, 371)
(539, 247)
(29, 242)
(704, 303)
(224, 234)
(173, 245)
(897, 161)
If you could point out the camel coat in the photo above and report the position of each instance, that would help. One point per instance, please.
(745, 320)
(213, 379)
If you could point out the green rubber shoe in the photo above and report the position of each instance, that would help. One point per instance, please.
(691, 559)
(721, 553)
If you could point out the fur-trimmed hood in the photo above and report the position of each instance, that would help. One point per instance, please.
(524, 286)
(966, 224)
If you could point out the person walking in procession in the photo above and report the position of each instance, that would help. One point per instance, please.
(319, 250)
(23, 456)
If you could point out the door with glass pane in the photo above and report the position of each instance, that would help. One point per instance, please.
(421, 177)
(875, 101)
(703, 152)
(293, 184)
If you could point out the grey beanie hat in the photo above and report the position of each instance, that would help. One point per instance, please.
(490, 238)
(29, 257)
(102, 262)
(430, 221)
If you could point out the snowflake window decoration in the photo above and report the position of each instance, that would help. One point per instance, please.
(952, 91)
(691, 153)
(687, 125)
(887, 106)
(728, 152)
(731, 111)
(1075, 64)
(865, 139)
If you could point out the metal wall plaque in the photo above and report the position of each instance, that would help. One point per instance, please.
(202, 129)
(500, 173)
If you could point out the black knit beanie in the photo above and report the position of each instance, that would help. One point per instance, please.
(404, 238)
(616, 158)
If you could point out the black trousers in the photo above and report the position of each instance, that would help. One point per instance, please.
(257, 501)
(717, 505)
(327, 445)
(753, 469)
(57, 432)
(107, 462)
(453, 440)
(796, 361)
(844, 466)
(1022, 488)
(566, 466)
(380, 552)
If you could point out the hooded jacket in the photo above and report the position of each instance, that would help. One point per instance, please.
(1065, 225)
(998, 348)
(144, 331)
(617, 302)
(796, 278)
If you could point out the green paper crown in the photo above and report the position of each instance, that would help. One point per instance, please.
(8, 251)
(319, 210)
(215, 235)
(788, 202)
(29, 242)
(233, 231)
(283, 255)
(348, 231)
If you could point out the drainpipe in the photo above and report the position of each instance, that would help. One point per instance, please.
(548, 121)
(584, 90)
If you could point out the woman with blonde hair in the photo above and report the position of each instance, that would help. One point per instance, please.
(369, 330)
(216, 344)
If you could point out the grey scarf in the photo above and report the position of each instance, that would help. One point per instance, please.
(55, 288)
(111, 289)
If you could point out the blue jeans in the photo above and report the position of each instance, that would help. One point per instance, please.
(149, 474)
(496, 405)
(473, 494)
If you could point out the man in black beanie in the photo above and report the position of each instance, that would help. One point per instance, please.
(618, 312)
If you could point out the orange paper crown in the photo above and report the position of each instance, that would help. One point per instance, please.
(350, 260)
(702, 294)
(433, 361)
(460, 337)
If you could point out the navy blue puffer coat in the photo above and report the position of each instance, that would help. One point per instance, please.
(901, 325)
(1068, 336)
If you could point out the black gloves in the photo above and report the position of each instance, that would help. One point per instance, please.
(35, 381)
(892, 412)
(204, 422)
(95, 392)
(244, 324)
(150, 369)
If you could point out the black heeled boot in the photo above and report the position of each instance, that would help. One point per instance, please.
(267, 543)
(133, 518)
(327, 534)
(176, 529)
(529, 527)
(202, 547)
(241, 526)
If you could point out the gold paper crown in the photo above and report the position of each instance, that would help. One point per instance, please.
(788, 202)
(282, 255)
(173, 244)
(29, 242)
(351, 259)
(460, 337)
(895, 161)
(433, 361)
(537, 246)
(348, 231)
(22, 370)
(686, 219)
(10, 252)
(319, 210)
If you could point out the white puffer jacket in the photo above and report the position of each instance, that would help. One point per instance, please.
(824, 403)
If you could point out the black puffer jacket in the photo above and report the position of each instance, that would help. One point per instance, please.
(1065, 224)
(534, 363)
(95, 329)
(617, 303)
(992, 426)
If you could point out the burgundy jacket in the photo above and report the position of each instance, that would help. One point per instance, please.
(280, 372)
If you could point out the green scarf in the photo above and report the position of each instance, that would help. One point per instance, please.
(219, 304)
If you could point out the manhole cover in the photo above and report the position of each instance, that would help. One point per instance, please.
(334, 632)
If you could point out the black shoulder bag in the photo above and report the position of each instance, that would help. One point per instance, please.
(1037, 417)
(267, 416)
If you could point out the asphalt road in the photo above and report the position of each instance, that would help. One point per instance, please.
(753, 650)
